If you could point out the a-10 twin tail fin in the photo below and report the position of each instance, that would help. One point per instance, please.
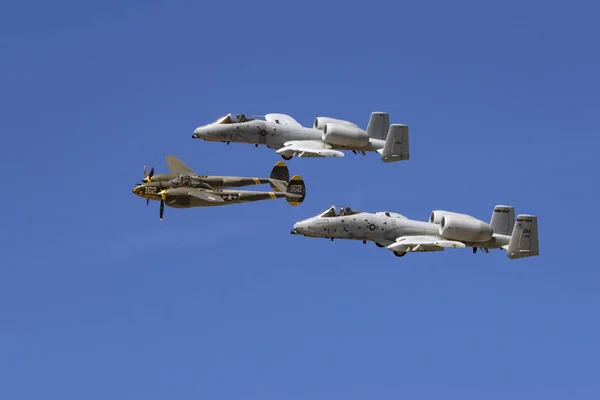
(524, 238)
(379, 125)
(396, 146)
(503, 220)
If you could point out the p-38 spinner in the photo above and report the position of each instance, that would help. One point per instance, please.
(444, 230)
(328, 137)
(183, 188)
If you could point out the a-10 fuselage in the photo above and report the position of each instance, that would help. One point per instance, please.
(270, 134)
(383, 228)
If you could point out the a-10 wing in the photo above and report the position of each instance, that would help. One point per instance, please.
(308, 148)
(423, 243)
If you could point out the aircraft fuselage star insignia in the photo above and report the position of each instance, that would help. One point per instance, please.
(443, 230)
(327, 137)
(183, 188)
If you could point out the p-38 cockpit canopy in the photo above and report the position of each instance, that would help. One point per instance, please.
(338, 211)
(185, 180)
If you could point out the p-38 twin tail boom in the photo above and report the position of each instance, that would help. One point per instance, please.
(183, 188)
(328, 137)
(444, 230)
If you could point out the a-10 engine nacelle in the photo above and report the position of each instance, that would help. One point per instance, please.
(465, 228)
(320, 122)
(338, 132)
(436, 216)
(345, 135)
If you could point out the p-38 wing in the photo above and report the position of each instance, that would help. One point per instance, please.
(308, 148)
(178, 167)
(423, 243)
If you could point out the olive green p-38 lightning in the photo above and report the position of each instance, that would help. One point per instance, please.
(183, 188)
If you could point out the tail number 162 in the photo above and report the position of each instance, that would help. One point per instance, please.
(296, 188)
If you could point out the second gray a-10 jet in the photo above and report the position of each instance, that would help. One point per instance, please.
(328, 137)
(444, 230)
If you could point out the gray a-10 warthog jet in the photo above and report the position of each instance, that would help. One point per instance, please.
(328, 137)
(444, 230)
(183, 188)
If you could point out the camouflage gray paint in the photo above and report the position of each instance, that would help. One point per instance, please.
(444, 230)
(328, 137)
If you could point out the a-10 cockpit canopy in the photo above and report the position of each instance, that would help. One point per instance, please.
(340, 211)
(333, 212)
(281, 119)
(230, 119)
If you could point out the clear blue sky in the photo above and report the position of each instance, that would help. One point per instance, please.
(99, 299)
